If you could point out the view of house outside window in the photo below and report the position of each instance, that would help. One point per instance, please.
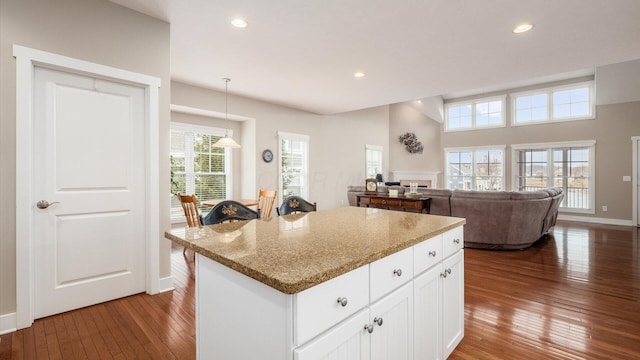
(569, 167)
(475, 169)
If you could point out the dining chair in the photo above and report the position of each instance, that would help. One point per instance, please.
(229, 210)
(266, 199)
(295, 204)
(190, 206)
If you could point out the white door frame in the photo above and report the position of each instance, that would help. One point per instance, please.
(26, 60)
(635, 141)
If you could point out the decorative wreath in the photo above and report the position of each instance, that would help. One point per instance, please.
(411, 143)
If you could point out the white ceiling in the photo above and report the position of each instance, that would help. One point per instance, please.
(303, 53)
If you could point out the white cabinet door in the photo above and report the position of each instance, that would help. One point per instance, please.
(346, 341)
(427, 295)
(453, 302)
(392, 318)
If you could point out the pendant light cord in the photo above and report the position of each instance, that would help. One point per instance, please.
(226, 105)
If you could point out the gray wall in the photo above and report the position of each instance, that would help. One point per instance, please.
(93, 30)
(404, 118)
(336, 145)
(612, 129)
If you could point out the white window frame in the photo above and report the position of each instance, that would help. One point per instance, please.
(304, 193)
(207, 130)
(369, 151)
(473, 150)
(473, 103)
(549, 91)
(591, 144)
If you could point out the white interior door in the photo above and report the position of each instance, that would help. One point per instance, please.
(89, 163)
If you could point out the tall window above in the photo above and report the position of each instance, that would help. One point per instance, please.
(566, 165)
(569, 102)
(197, 167)
(475, 168)
(476, 114)
(373, 160)
(293, 165)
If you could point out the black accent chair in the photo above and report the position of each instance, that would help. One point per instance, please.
(295, 204)
(229, 210)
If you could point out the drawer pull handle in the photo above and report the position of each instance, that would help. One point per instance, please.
(397, 272)
(432, 253)
(342, 301)
(443, 274)
(456, 241)
(369, 328)
(378, 321)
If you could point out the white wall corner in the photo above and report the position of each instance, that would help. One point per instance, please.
(8, 323)
(433, 107)
(165, 284)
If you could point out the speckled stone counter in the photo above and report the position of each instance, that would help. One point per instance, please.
(295, 252)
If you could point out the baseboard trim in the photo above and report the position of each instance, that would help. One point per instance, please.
(8, 323)
(595, 220)
(165, 284)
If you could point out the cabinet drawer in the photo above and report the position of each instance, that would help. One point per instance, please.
(317, 309)
(426, 254)
(452, 241)
(386, 202)
(390, 272)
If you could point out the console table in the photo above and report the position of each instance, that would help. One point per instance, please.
(399, 202)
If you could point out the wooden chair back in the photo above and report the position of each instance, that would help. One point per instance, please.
(266, 198)
(295, 204)
(190, 207)
(229, 210)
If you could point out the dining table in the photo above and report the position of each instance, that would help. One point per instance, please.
(245, 202)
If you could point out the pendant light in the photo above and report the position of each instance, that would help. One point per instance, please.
(226, 141)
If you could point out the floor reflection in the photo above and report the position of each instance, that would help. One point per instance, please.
(573, 294)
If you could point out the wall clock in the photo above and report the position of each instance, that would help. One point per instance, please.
(267, 155)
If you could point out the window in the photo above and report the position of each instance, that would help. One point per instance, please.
(480, 113)
(294, 165)
(373, 159)
(566, 165)
(475, 168)
(197, 167)
(572, 102)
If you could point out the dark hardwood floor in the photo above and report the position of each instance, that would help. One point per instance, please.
(573, 295)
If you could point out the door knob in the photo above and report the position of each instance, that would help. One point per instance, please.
(43, 204)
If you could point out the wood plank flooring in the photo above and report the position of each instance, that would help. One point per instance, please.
(573, 295)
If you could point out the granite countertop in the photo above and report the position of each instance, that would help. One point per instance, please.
(294, 252)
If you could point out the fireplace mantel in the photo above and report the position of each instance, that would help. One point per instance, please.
(416, 175)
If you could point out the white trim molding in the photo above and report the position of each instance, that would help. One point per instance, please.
(26, 61)
(165, 284)
(635, 178)
(8, 323)
(399, 175)
(594, 220)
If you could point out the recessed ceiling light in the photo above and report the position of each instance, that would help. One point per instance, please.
(359, 74)
(522, 28)
(239, 23)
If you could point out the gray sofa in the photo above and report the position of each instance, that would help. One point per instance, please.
(495, 219)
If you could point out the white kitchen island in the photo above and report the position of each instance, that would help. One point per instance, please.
(349, 283)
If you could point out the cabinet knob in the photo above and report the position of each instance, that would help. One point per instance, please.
(378, 321)
(446, 272)
(456, 241)
(342, 301)
(397, 272)
(369, 328)
(432, 253)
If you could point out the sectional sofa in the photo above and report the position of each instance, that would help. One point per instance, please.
(495, 219)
